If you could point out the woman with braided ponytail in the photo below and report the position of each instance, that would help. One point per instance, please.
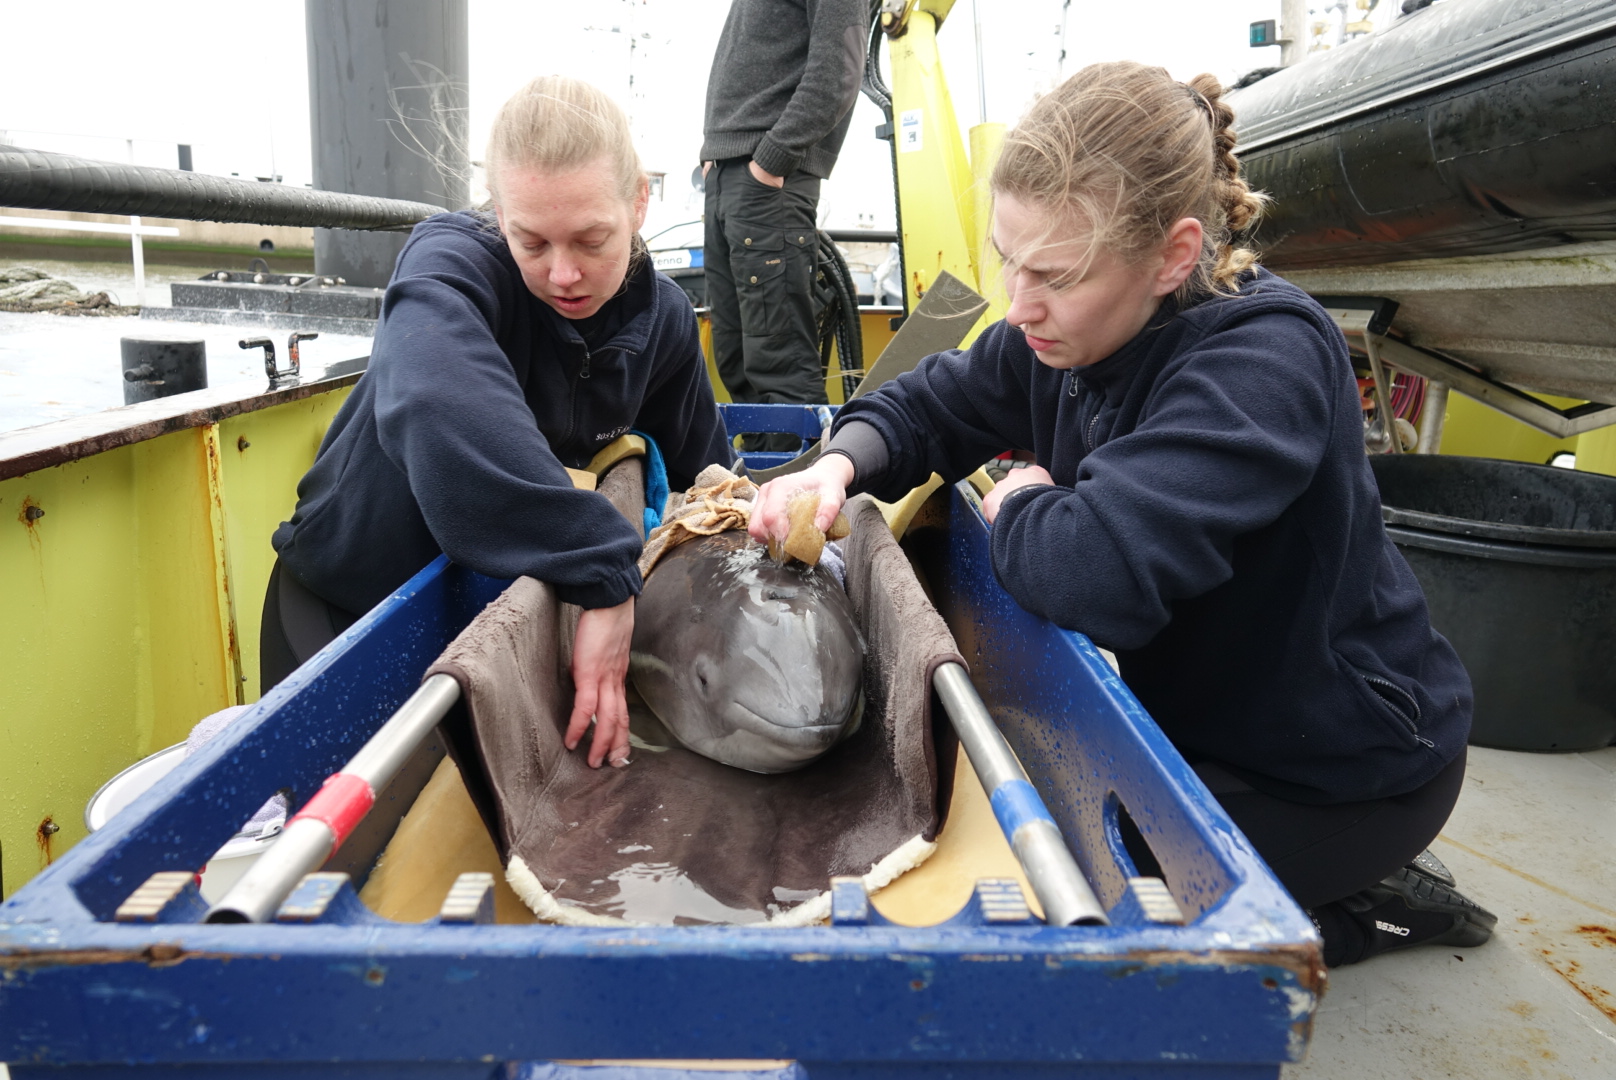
(1200, 504)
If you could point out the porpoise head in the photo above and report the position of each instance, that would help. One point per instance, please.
(744, 661)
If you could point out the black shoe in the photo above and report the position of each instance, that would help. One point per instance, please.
(1413, 908)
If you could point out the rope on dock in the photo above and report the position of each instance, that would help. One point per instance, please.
(28, 288)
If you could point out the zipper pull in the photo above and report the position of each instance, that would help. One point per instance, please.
(1071, 384)
(584, 374)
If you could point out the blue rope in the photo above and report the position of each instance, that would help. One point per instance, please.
(656, 482)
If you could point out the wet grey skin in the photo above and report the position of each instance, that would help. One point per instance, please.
(744, 661)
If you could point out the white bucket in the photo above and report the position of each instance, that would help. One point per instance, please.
(227, 864)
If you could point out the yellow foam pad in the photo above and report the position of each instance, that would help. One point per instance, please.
(971, 846)
(624, 446)
(583, 481)
(440, 838)
(900, 514)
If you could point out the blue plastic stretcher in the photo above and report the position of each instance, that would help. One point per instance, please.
(1229, 994)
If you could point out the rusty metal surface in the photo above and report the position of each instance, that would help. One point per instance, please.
(31, 449)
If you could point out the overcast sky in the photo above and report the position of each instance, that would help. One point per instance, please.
(231, 78)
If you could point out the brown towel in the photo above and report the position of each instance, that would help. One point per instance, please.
(720, 501)
(674, 837)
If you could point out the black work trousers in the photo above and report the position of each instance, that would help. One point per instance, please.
(1324, 853)
(761, 250)
(296, 625)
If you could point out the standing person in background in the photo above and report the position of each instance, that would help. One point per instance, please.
(779, 100)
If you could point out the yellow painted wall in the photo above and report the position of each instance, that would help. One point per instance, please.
(110, 641)
(1596, 451)
(118, 601)
(264, 455)
(1472, 429)
(876, 328)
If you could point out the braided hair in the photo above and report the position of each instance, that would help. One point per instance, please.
(1124, 151)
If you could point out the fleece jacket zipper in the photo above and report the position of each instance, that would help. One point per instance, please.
(1411, 722)
(572, 412)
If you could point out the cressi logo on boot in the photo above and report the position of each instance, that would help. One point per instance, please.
(1400, 931)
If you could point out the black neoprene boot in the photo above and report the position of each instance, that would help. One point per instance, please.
(1412, 907)
(1432, 867)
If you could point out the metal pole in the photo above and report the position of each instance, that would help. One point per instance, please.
(1062, 890)
(1432, 415)
(1294, 31)
(1383, 392)
(981, 73)
(136, 248)
(39, 180)
(326, 820)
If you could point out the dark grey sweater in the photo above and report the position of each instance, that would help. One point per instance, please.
(784, 80)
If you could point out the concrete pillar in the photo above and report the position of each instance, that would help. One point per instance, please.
(387, 103)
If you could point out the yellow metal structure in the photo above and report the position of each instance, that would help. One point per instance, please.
(133, 583)
(1596, 451)
(1473, 429)
(875, 326)
(943, 195)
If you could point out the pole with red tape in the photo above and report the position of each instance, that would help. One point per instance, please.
(326, 820)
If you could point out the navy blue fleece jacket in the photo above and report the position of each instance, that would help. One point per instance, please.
(1215, 522)
(476, 395)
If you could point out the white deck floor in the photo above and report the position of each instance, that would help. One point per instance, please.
(1531, 840)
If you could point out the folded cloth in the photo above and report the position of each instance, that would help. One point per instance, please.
(675, 837)
(719, 501)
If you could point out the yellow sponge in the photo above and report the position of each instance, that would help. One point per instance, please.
(804, 541)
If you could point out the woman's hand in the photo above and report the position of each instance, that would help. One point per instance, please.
(828, 478)
(599, 666)
(1016, 478)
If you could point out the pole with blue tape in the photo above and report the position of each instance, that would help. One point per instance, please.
(1062, 890)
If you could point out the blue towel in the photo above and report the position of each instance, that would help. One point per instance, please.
(656, 483)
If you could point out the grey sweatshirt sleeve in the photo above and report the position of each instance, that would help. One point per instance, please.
(863, 445)
(829, 86)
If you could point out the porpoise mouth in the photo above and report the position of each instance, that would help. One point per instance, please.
(803, 736)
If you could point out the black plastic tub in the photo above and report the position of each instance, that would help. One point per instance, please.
(1518, 563)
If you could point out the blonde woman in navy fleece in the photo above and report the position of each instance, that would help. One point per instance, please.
(1201, 502)
(510, 345)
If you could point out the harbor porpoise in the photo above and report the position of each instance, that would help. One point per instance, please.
(746, 661)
